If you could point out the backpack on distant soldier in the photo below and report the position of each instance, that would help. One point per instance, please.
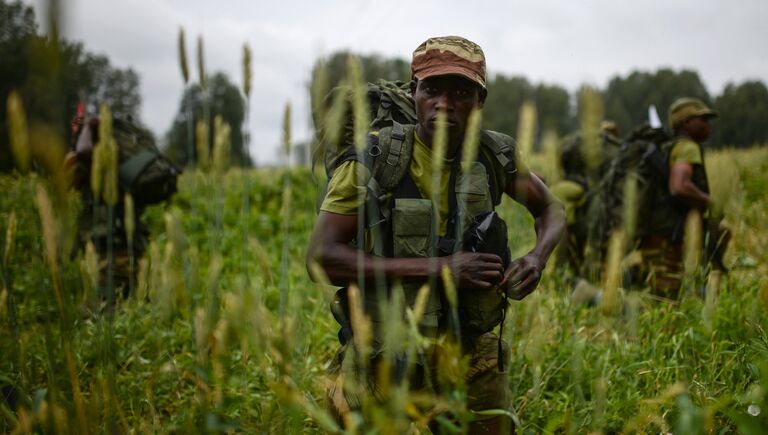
(143, 171)
(643, 158)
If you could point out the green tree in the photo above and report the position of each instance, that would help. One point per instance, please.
(507, 94)
(374, 68)
(17, 28)
(53, 76)
(627, 98)
(743, 113)
(502, 106)
(224, 99)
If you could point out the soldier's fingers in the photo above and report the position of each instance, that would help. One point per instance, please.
(524, 288)
(491, 275)
(489, 258)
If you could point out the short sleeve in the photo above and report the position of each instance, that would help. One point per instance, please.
(686, 151)
(344, 189)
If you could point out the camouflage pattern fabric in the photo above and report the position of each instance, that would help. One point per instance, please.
(447, 55)
(487, 387)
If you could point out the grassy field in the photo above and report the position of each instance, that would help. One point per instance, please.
(226, 333)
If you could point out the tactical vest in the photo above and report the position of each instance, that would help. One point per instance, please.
(400, 221)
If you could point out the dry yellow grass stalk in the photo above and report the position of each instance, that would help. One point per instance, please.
(201, 64)
(287, 132)
(526, 131)
(553, 172)
(359, 101)
(10, 238)
(361, 324)
(203, 152)
(247, 74)
(471, 140)
(221, 145)
(611, 300)
(591, 114)
(692, 243)
(50, 240)
(17, 128)
(183, 56)
(129, 219)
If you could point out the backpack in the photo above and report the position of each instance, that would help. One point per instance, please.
(643, 157)
(143, 170)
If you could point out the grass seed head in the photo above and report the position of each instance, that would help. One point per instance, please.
(19, 136)
(287, 132)
(526, 131)
(203, 152)
(247, 74)
(471, 140)
(183, 56)
(591, 114)
(10, 238)
(360, 112)
(450, 287)
(692, 243)
(221, 145)
(201, 64)
(129, 220)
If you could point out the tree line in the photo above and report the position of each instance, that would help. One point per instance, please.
(743, 107)
(53, 75)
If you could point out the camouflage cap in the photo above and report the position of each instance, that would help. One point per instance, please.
(686, 108)
(449, 55)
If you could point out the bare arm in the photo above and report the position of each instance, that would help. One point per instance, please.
(523, 274)
(681, 186)
(329, 247)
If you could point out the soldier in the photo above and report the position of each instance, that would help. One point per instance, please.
(689, 119)
(572, 190)
(128, 239)
(448, 76)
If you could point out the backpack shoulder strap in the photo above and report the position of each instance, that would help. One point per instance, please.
(503, 149)
(393, 157)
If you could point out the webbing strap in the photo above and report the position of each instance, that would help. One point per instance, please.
(396, 145)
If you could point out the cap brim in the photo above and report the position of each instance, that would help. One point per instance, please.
(443, 70)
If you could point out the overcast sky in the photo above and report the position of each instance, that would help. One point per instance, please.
(560, 42)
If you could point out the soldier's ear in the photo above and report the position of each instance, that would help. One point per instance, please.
(414, 82)
(481, 94)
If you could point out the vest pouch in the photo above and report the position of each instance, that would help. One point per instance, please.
(473, 195)
(480, 310)
(412, 227)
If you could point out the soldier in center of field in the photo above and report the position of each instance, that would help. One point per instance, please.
(419, 237)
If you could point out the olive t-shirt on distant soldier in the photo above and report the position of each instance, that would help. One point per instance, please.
(686, 151)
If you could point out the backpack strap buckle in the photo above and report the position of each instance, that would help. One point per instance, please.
(397, 138)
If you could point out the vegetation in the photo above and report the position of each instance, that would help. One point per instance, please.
(203, 344)
(224, 331)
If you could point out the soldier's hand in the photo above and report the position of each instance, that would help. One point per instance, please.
(522, 277)
(477, 271)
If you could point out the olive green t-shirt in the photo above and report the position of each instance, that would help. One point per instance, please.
(686, 151)
(346, 187)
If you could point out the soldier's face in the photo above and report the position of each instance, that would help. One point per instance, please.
(697, 128)
(454, 95)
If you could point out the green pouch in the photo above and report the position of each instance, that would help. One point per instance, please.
(472, 193)
(412, 227)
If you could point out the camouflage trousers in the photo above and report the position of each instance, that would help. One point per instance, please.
(662, 266)
(486, 386)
